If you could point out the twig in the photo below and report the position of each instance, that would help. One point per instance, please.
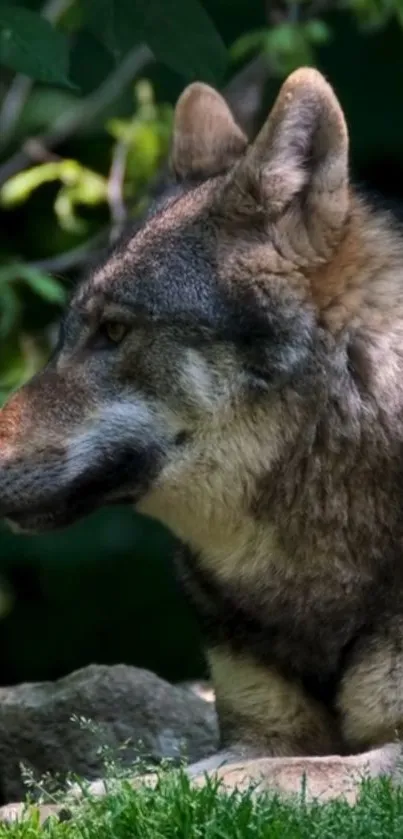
(88, 109)
(20, 88)
(38, 153)
(74, 257)
(245, 93)
(320, 7)
(115, 189)
(53, 10)
(12, 107)
(83, 113)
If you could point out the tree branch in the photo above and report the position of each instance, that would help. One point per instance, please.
(116, 180)
(20, 88)
(81, 114)
(75, 257)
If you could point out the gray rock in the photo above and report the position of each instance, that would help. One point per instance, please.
(123, 703)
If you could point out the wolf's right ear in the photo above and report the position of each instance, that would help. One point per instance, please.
(206, 138)
(299, 160)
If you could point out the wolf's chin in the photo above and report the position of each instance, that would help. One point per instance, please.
(34, 523)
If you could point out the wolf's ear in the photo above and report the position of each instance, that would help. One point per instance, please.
(300, 155)
(206, 138)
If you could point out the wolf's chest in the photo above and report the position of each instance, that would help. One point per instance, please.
(303, 624)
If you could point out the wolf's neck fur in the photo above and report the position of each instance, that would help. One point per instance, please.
(226, 506)
(286, 485)
(362, 285)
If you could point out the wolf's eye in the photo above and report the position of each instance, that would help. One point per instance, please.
(114, 331)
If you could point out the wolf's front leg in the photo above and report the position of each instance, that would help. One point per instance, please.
(263, 714)
(277, 738)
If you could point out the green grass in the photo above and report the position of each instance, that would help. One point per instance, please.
(174, 810)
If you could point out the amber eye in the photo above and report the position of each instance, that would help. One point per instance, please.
(114, 331)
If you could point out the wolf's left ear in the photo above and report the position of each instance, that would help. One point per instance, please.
(300, 155)
(206, 138)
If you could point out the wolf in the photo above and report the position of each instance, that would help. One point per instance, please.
(234, 369)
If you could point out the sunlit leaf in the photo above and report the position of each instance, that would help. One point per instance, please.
(18, 189)
(80, 186)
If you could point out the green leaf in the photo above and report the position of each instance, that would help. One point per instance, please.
(29, 44)
(9, 308)
(42, 284)
(12, 363)
(289, 47)
(179, 32)
(317, 32)
(101, 21)
(181, 35)
(250, 42)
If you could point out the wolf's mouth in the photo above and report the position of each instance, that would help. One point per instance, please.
(34, 522)
(122, 480)
(39, 521)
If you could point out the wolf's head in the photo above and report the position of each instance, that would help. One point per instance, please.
(189, 360)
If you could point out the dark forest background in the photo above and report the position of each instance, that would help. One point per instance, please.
(86, 95)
